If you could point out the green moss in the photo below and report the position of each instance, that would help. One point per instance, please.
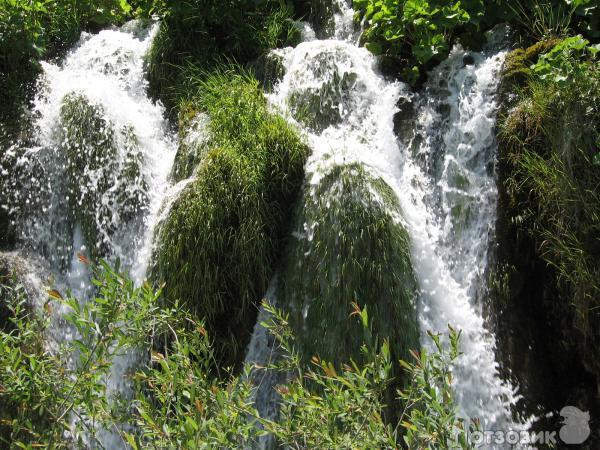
(222, 239)
(350, 247)
(106, 186)
(517, 65)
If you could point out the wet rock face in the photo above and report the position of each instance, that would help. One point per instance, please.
(404, 119)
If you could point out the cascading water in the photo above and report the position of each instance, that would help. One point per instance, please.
(438, 157)
(92, 120)
(93, 174)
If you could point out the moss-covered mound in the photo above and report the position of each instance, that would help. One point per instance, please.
(350, 247)
(221, 241)
(547, 276)
(327, 101)
(194, 141)
(106, 186)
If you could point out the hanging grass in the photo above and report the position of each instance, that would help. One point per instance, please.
(224, 235)
(549, 147)
(350, 247)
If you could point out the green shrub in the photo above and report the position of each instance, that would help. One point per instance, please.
(223, 237)
(176, 400)
(419, 31)
(563, 62)
(334, 406)
(350, 248)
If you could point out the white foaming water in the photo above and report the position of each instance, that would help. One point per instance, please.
(442, 172)
(107, 70)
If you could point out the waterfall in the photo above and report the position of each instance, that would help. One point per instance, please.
(436, 150)
(98, 155)
(92, 175)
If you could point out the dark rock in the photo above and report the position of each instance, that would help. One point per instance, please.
(468, 60)
(404, 119)
(321, 17)
(269, 70)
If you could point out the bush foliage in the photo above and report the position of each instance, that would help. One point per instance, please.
(420, 33)
(177, 402)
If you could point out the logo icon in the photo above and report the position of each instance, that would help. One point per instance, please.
(576, 428)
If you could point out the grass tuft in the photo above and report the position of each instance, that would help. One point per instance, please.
(218, 248)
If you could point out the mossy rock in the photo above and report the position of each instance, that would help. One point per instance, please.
(350, 247)
(517, 65)
(106, 187)
(223, 236)
(319, 107)
(269, 69)
(545, 276)
(194, 141)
